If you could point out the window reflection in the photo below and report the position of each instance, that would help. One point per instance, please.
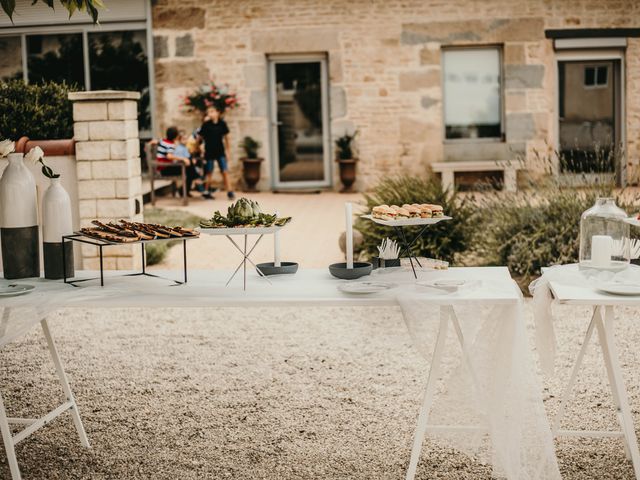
(118, 61)
(472, 93)
(10, 58)
(57, 58)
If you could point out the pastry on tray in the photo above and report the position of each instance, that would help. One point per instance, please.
(127, 232)
(413, 210)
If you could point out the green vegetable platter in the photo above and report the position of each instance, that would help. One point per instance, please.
(244, 213)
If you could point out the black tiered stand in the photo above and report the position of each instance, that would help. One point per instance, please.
(101, 244)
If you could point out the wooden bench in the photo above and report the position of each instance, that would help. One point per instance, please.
(150, 155)
(509, 168)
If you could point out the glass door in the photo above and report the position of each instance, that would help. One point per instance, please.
(589, 115)
(299, 118)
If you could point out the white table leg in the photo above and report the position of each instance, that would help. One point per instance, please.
(434, 373)
(75, 415)
(610, 354)
(574, 373)
(9, 446)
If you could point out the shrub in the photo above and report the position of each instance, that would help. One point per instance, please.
(344, 146)
(156, 252)
(250, 147)
(539, 227)
(40, 111)
(445, 240)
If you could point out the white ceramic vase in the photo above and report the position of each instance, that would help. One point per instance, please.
(19, 221)
(56, 222)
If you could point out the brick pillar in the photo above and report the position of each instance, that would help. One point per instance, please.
(105, 129)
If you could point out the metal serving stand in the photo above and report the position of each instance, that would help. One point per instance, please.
(101, 244)
(245, 250)
(407, 243)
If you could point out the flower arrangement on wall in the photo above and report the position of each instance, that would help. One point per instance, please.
(211, 95)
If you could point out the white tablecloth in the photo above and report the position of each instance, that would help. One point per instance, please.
(507, 397)
(569, 285)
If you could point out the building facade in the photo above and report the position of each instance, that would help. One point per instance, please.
(421, 82)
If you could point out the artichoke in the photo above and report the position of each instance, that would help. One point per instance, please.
(244, 212)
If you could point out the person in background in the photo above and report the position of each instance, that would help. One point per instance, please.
(169, 152)
(215, 133)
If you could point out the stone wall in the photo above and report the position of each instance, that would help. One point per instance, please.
(384, 67)
(108, 168)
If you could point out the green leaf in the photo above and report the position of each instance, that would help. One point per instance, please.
(47, 171)
(9, 6)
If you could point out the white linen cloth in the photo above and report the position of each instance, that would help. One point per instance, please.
(503, 393)
(506, 398)
(542, 300)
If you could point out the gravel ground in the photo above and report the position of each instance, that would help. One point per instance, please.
(267, 394)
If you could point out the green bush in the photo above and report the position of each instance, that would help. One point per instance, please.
(446, 240)
(156, 252)
(539, 227)
(40, 111)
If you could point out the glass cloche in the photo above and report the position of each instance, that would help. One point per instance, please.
(604, 237)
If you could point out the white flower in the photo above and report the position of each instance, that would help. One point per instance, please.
(35, 155)
(6, 147)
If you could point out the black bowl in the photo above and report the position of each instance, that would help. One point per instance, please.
(285, 268)
(360, 269)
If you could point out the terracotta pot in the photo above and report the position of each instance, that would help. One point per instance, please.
(251, 172)
(347, 173)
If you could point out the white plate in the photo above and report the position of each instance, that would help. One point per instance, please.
(407, 222)
(15, 289)
(366, 287)
(627, 289)
(633, 221)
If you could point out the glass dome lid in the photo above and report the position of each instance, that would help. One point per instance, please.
(604, 237)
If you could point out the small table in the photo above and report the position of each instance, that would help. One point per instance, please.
(602, 320)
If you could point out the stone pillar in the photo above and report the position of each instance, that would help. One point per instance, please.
(105, 130)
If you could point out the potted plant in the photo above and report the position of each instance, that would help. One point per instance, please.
(250, 162)
(346, 160)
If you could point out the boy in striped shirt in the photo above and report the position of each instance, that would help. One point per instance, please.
(166, 154)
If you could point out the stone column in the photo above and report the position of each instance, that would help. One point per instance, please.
(108, 165)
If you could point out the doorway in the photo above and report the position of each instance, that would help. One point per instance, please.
(590, 129)
(299, 121)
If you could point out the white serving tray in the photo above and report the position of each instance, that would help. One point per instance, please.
(240, 230)
(407, 222)
(632, 221)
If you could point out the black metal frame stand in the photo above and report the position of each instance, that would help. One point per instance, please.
(408, 245)
(77, 237)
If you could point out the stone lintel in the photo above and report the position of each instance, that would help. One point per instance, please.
(96, 95)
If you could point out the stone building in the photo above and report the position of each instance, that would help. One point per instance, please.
(422, 81)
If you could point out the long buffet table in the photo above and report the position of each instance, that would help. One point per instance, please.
(493, 286)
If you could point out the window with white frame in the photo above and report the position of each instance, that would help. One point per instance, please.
(596, 76)
(472, 92)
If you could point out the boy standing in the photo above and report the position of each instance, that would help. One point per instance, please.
(215, 133)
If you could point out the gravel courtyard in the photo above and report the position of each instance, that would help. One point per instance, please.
(268, 394)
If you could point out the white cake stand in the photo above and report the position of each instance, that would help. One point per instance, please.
(246, 250)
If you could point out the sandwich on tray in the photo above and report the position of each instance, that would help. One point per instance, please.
(414, 210)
